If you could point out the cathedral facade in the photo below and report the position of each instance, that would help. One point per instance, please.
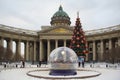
(39, 44)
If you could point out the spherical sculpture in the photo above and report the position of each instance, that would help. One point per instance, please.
(63, 61)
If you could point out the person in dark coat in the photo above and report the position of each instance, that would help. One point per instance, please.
(39, 63)
(23, 63)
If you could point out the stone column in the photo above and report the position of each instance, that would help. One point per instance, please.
(31, 51)
(119, 41)
(40, 52)
(2, 42)
(102, 50)
(56, 43)
(27, 51)
(110, 44)
(86, 58)
(34, 51)
(9, 44)
(48, 48)
(18, 49)
(94, 51)
(64, 43)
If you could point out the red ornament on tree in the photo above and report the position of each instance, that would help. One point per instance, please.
(78, 45)
(84, 51)
(73, 41)
(82, 41)
(78, 38)
(86, 46)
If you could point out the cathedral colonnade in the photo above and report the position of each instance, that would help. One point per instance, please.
(29, 47)
(96, 48)
(38, 46)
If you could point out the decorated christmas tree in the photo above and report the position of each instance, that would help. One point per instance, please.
(78, 41)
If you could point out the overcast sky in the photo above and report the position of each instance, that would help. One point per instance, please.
(32, 14)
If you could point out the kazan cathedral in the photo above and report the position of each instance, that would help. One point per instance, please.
(102, 43)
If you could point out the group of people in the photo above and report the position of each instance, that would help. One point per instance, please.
(8, 64)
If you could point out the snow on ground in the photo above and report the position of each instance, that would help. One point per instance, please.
(16, 74)
(112, 72)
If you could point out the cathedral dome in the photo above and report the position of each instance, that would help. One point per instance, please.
(60, 18)
(60, 13)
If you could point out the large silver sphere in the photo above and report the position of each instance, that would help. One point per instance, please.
(63, 61)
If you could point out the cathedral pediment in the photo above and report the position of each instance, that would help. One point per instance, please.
(58, 30)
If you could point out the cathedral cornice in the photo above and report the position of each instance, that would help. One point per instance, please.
(95, 32)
